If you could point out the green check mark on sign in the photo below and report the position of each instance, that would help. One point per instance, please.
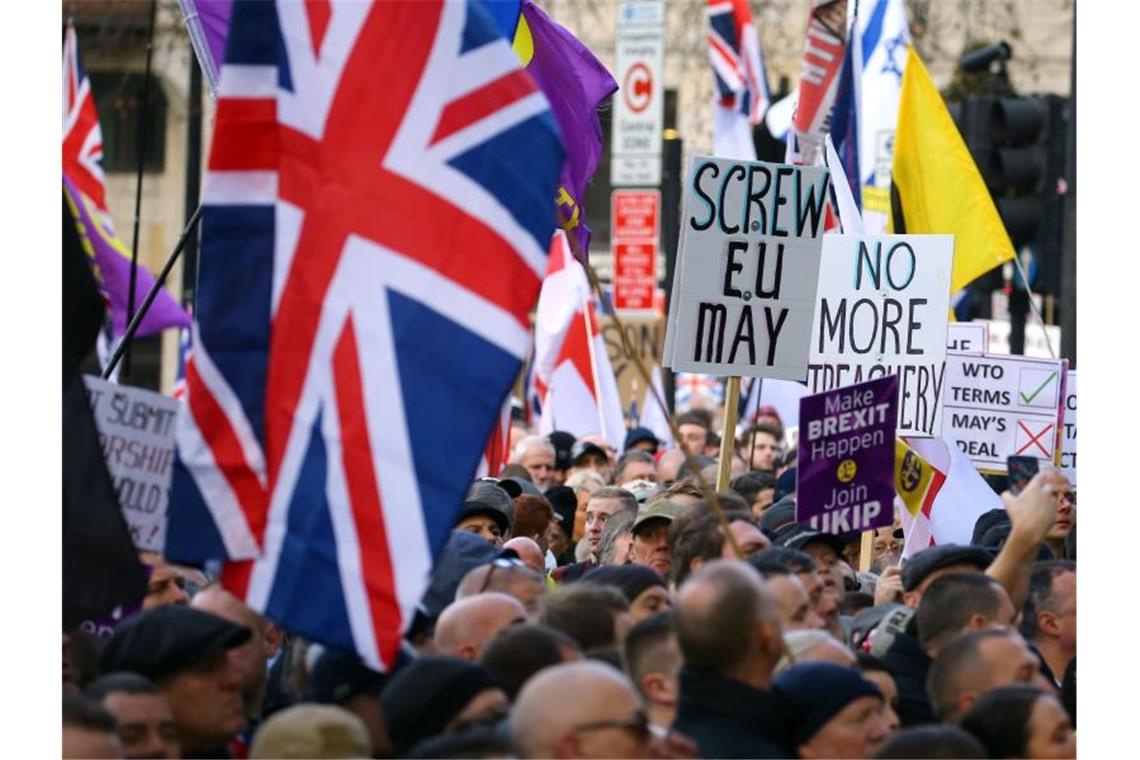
(1029, 399)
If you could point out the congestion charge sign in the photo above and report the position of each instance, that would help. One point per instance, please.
(883, 309)
(136, 433)
(747, 270)
(996, 406)
(845, 479)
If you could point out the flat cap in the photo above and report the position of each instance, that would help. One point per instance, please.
(659, 510)
(797, 536)
(918, 567)
(170, 639)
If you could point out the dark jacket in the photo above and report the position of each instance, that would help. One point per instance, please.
(729, 718)
(910, 664)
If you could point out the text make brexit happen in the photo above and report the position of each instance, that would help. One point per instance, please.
(744, 293)
(845, 473)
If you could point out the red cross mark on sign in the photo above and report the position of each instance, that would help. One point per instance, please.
(1034, 440)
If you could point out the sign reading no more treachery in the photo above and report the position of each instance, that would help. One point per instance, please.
(883, 309)
(745, 288)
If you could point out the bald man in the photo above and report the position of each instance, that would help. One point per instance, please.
(530, 553)
(466, 626)
(252, 658)
(581, 709)
(730, 635)
(516, 580)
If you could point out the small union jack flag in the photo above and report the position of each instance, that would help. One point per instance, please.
(737, 60)
(377, 206)
(694, 390)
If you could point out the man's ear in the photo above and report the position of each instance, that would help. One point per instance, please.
(1047, 622)
(273, 637)
(966, 701)
(977, 622)
(911, 599)
(567, 745)
(659, 689)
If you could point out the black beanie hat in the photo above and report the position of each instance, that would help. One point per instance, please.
(427, 694)
(630, 580)
(816, 692)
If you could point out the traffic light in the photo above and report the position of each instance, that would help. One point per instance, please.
(1018, 144)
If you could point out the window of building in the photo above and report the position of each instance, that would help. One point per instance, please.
(118, 98)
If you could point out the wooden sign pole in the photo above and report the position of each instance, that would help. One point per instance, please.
(866, 550)
(728, 433)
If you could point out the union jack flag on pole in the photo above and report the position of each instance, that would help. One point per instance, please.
(377, 205)
(742, 94)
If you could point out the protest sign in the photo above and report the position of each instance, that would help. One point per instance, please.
(1000, 406)
(845, 480)
(745, 285)
(136, 433)
(1069, 431)
(968, 338)
(882, 309)
(645, 334)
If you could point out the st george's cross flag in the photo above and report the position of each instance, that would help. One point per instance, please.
(377, 204)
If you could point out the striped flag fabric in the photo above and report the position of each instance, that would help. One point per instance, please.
(741, 82)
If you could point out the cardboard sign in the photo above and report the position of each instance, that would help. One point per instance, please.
(640, 100)
(883, 309)
(845, 480)
(634, 215)
(136, 432)
(1069, 431)
(745, 287)
(646, 335)
(999, 406)
(968, 338)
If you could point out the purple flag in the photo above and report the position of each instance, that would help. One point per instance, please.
(845, 481)
(575, 83)
(208, 22)
(111, 262)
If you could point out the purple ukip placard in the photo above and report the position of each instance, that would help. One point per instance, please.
(845, 479)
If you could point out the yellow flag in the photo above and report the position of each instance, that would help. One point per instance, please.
(938, 182)
(917, 481)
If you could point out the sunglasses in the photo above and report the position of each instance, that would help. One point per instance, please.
(637, 724)
(500, 562)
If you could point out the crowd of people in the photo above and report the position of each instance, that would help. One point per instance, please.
(598, 606)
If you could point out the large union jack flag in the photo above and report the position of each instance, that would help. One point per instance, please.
(377, 205)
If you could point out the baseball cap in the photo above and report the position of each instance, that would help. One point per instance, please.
(639, 435)
(922, 564)
(170, 639)
(797, 536)
(582, 448)
(563, 443)
(659, 510)
(565, 503)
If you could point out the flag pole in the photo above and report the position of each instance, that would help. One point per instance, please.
(728, 432)
(141, 147)
(1033, 306)
(866, 549)
(159, 280)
